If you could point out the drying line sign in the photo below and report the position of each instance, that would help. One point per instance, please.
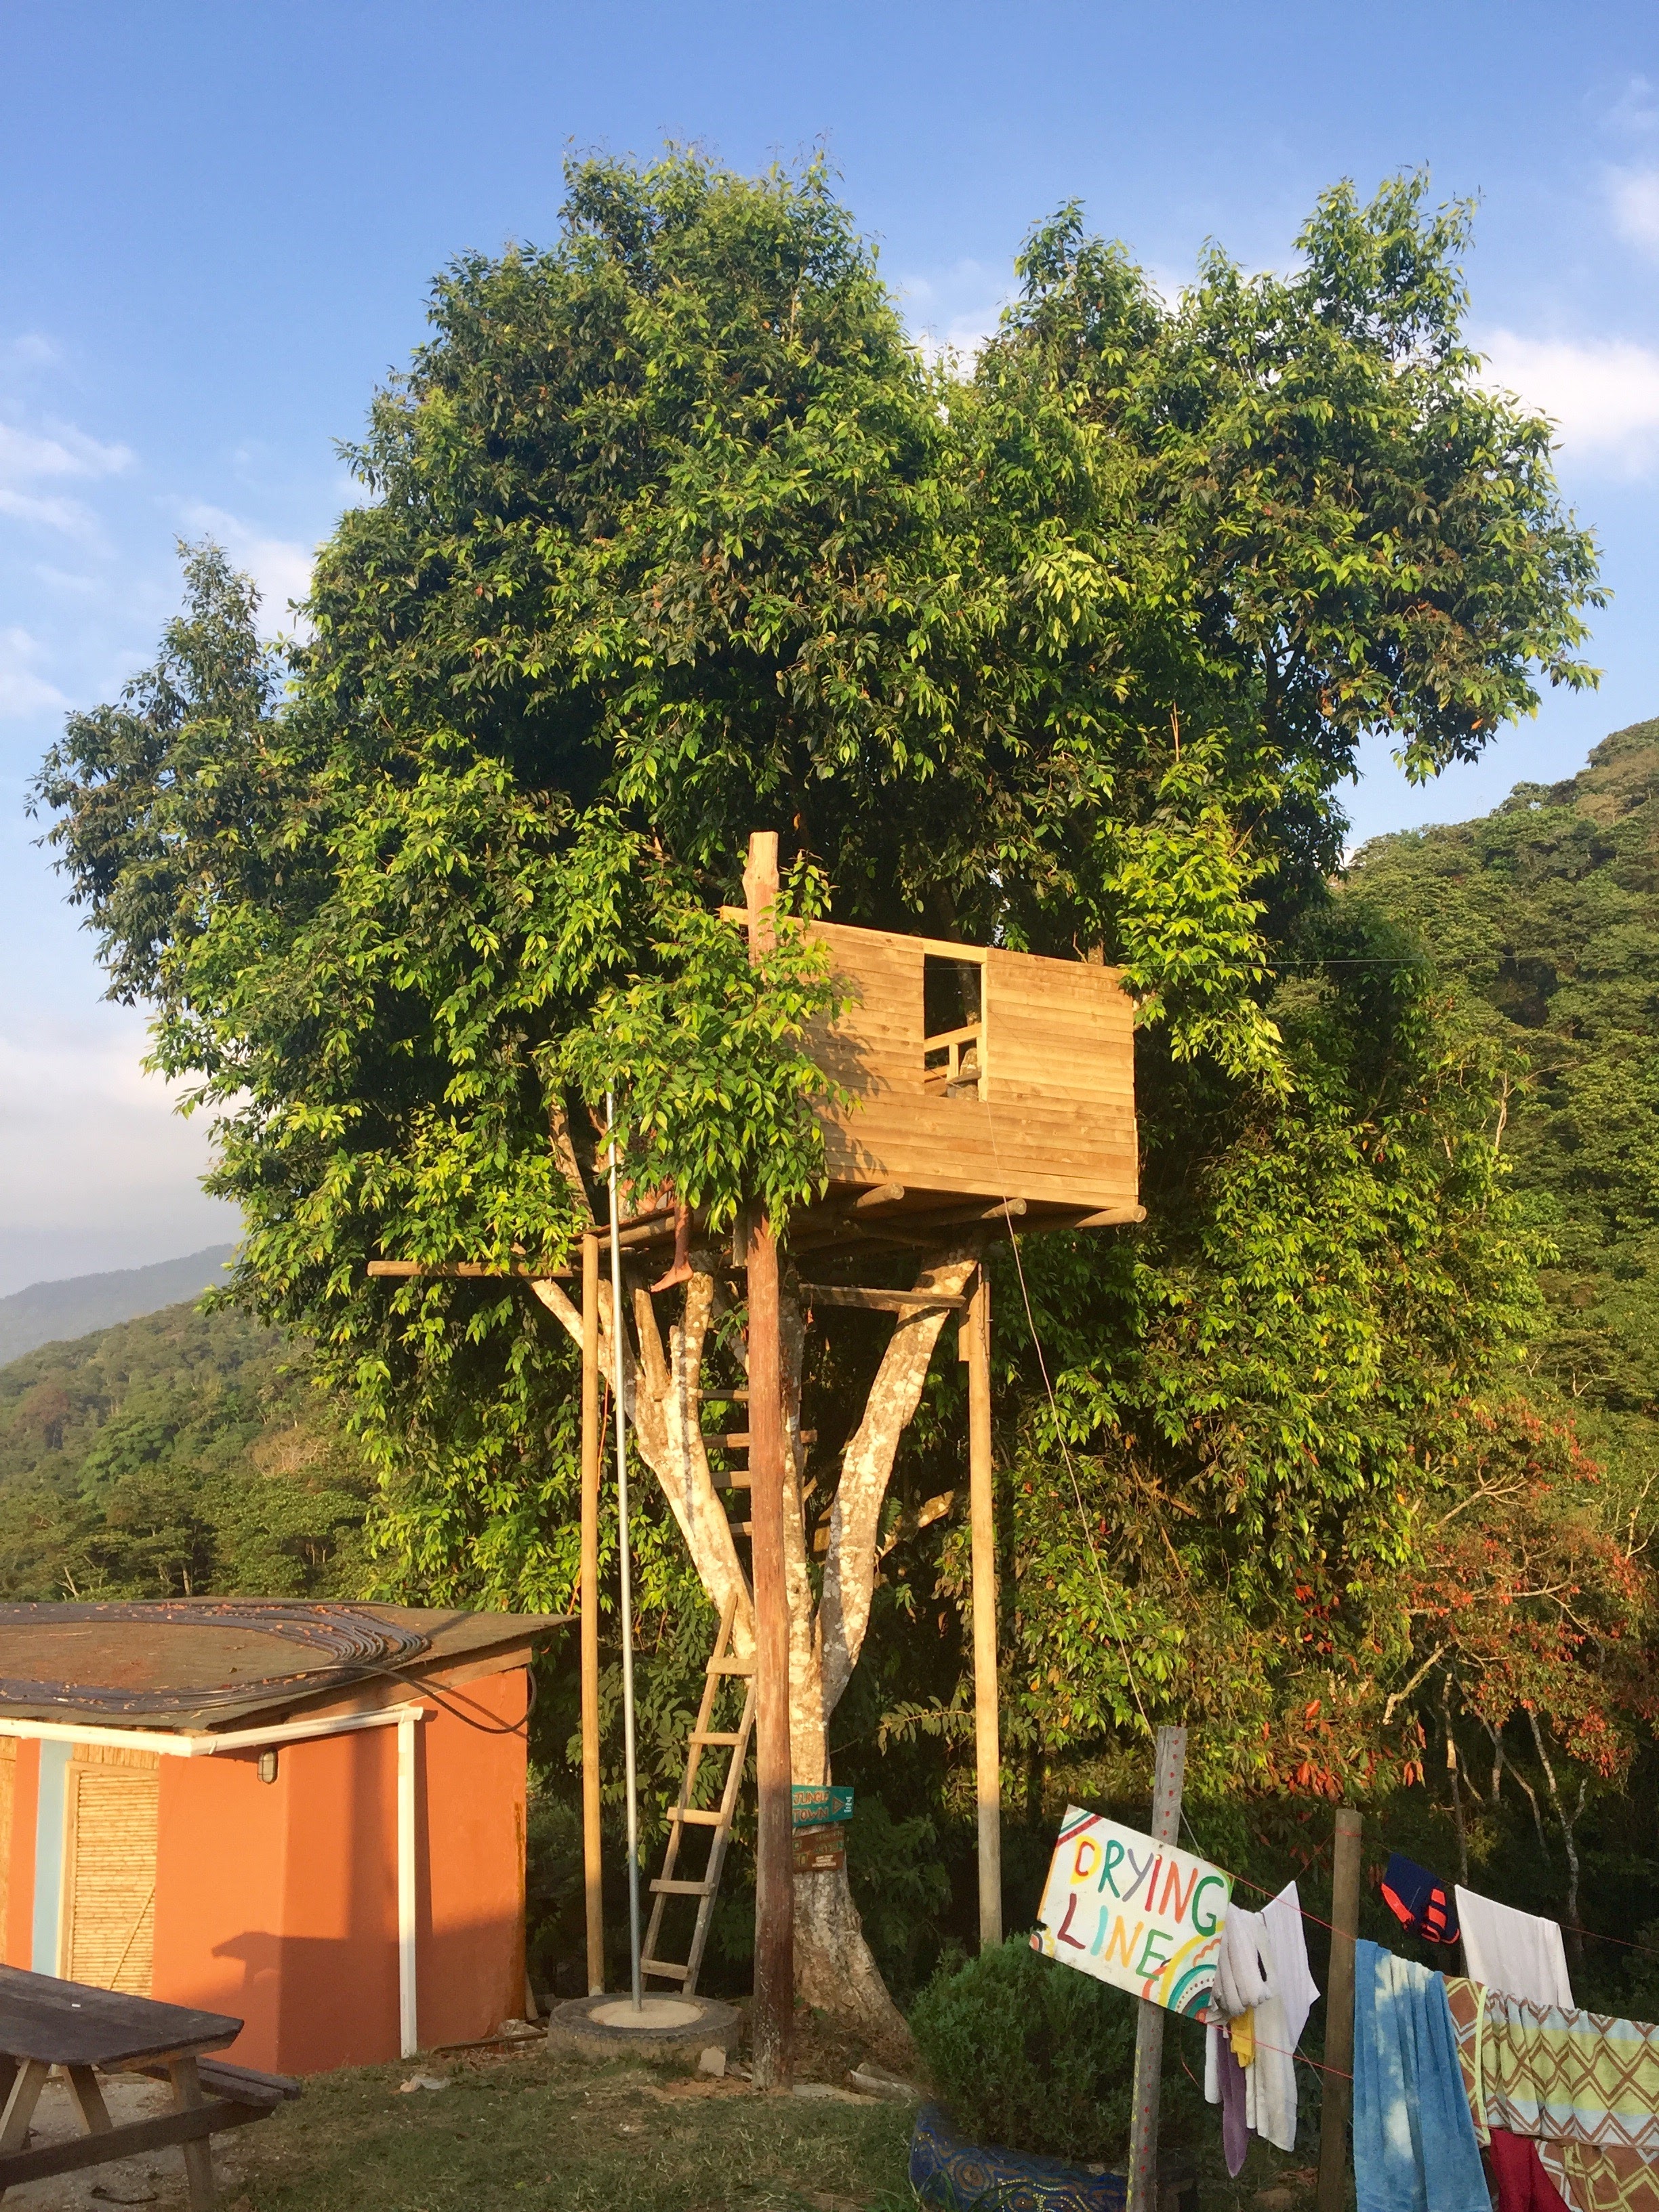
(1141, 1915)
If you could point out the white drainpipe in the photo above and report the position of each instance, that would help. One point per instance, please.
(406, 2007)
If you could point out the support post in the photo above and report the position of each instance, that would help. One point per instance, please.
(775, 1872)
(987, 1748)
(1169, 1772)
(1336, 2106)
(591, 1864)
(625, 1562)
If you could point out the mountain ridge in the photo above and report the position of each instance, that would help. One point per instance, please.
(57, 1312)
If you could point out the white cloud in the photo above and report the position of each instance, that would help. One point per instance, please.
(279, 567)
(22, 691)
(1636, 109)
(30, 350)
(1635, 197)
(67, 515)
(96, 1168)
(31, 459)
(1602, 393)
(956, 310)
(64, 452)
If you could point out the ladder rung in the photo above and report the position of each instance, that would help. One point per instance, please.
(714, 1735)
(729, 1666)
(664, 1966)
(733, 1478)
(696, 1816)
(740, 1439)
(683, 1888)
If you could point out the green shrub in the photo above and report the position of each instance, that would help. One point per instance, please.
(1030, 2054)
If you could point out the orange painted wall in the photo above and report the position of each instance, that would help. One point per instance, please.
(18, 1934)
(278, 1901)
(470, 1812)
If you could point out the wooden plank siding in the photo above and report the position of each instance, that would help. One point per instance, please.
(1053, 1119)
(876, 1045)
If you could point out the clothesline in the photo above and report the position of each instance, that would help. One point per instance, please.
(1571, 1927)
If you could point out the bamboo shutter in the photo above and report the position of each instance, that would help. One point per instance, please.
(109, 1870)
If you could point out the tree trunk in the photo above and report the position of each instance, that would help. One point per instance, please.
(834, 1969)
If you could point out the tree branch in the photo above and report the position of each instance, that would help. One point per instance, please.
(866, 1468)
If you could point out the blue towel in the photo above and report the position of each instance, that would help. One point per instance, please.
(1414, 2140)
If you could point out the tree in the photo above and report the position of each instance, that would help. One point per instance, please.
(671, 535)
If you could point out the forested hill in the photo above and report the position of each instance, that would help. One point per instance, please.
(175, 1455)
(44, 1313)
(1546, 913)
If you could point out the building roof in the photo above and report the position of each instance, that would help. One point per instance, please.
(222, 1663)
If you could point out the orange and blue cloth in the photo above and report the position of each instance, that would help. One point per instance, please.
(1419, 1901)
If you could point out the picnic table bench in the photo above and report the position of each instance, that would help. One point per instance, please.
(45, 2023)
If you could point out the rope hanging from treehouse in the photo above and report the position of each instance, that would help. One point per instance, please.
(353, 1640)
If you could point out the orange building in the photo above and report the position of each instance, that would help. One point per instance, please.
(309, 1815)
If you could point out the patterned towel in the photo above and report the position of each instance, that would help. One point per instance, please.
(1585, 2086)
(1601, 2180)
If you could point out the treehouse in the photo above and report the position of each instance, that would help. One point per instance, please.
(977, 1077)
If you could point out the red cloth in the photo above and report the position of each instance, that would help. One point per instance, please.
(1523, 2184)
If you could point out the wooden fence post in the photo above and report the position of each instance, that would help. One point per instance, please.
(1169, 1772)
(774, 1855)
(1337, 2106)
(987, 1748)
(592, 1866)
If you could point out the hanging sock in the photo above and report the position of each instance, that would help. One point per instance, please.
(1414, 2140)
(1417, 1900)
(1515, 1952)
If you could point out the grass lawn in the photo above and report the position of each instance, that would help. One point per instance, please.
(526, 2129)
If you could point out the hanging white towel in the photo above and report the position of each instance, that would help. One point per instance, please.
(1514, 1952)
(1241, 1984)
(1270, 2083)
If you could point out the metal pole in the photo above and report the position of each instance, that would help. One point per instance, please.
(592, 1860)
(775, 1870)
(988, 1750)
(626, 1571)
(1170, 1768)
(1337, 2103)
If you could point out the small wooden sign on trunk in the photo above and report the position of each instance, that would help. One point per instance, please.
(816, 1807)
(820, 1849)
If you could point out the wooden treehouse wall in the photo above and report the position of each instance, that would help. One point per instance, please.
(1031, 1097)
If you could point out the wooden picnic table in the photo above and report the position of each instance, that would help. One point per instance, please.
(45, 2023)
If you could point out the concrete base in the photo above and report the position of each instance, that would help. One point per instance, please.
(666, 2028)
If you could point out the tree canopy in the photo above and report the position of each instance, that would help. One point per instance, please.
(669, 532)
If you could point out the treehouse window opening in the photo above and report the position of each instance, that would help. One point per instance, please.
(953, 1020)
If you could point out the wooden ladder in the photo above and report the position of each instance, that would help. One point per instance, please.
(686, 1815)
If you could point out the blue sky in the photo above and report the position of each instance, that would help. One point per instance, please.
(218, 224)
